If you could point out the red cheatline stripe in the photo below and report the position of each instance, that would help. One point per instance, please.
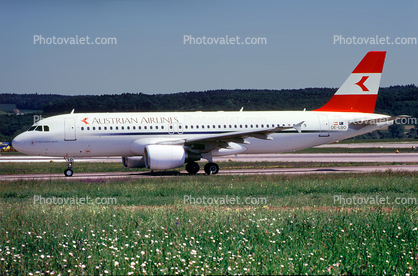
(350, 103)
(371, 63)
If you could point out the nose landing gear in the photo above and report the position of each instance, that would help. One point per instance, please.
(69, 171)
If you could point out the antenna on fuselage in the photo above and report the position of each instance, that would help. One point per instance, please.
(72, 111)
(242, 108)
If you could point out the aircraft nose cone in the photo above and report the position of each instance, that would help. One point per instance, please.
(18, 143)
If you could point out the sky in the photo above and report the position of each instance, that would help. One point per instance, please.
(150, 55)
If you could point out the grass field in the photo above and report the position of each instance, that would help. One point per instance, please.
(318, 224)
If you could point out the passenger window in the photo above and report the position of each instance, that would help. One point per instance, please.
(100, 128)
(82, 128)
(105, 128)
(127, 128)
(94, 128)
(122, 128)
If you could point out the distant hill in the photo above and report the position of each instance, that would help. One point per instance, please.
(30, 101)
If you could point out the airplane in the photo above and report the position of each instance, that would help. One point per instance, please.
(168, 140)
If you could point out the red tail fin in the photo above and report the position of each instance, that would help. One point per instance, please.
(359, 91)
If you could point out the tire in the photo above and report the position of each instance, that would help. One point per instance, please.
(211, 168)
(68, 172)
(192, 168)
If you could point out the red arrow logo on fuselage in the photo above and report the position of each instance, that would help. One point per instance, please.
(85, 121)
(361, 83)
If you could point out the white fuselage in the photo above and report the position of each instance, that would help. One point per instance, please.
(126, 134)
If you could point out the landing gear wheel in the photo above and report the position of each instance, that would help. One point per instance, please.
(211, 168)
(192, 167)
(68, 172)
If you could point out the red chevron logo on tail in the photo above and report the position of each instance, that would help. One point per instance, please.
(361, 83)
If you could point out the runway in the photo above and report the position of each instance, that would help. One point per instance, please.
(171, 173)
(390, 145)
(282, 157)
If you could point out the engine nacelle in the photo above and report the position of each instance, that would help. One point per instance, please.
(163, 157)
(133, 161)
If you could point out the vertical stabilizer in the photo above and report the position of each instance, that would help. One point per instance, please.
(359, 91)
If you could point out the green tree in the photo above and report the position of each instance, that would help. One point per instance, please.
(397, 131)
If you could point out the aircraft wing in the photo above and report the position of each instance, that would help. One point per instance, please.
(234, 136)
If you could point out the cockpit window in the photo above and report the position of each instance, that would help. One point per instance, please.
(39, 128)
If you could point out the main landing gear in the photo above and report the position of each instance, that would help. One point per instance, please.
(210, 168)
(69, 171)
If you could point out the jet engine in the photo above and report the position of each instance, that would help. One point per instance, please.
(133, 161)
(163, 157)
